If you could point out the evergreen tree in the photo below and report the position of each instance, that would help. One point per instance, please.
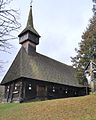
(86, 51)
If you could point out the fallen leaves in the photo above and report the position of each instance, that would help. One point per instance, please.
(78, 108)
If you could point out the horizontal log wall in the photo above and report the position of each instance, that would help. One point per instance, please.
(25, 89)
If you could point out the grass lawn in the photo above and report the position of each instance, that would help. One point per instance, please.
(78, 108)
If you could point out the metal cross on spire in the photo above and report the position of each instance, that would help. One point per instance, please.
(31, 3)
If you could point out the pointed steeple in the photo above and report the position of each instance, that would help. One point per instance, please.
(29, 33)
(30, 25)
(30, 18)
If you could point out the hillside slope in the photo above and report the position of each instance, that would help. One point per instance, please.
(79, 108)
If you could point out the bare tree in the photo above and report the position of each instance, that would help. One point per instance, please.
(8, 24)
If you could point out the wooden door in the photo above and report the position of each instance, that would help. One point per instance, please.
(41, 91)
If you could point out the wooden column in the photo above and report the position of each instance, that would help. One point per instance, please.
(46, 91)
(20, 91)
(24, 89)
(37, 90)
(92, 82)
(8, 93)
(12, 90)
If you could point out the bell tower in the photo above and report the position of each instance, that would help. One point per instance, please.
(29, 37)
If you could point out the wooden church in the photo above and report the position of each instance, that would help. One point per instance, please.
(33, 76)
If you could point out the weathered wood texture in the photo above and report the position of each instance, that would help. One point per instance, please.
(2, 89)
(26, 89)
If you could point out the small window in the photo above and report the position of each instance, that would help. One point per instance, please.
(30, 86)
(66, 91)
(53, 89)
(8, 88)
(75, 93)
(16, 85)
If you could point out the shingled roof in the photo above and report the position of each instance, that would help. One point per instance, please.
(40, 67)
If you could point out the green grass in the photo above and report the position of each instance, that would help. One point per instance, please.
(79, 108)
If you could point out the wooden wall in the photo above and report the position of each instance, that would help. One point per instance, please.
(25, 89)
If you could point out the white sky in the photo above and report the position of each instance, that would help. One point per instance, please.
(60, 24)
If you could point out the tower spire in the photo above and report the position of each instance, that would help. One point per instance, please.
(29, 37)
(29, 33)
(31, 3)
(30, 18)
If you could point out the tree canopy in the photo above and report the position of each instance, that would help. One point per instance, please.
(86, 51)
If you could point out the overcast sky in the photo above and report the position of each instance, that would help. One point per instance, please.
(60, 24)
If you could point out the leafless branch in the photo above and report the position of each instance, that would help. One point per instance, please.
(8, 24)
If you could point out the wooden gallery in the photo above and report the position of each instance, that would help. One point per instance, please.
(33, 76)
